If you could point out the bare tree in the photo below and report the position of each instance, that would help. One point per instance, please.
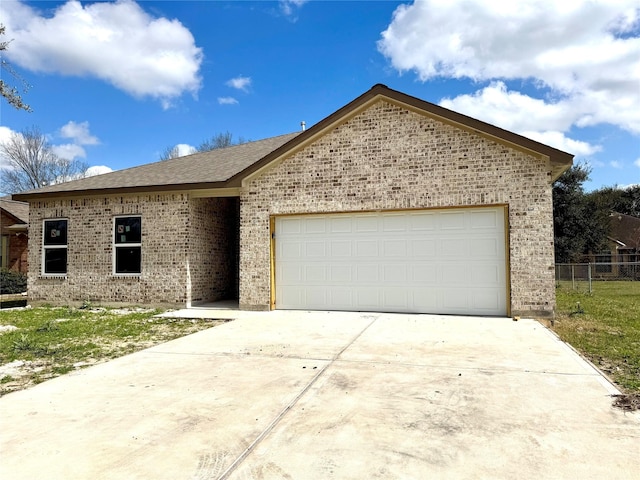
(8, 92)
(31, 163)
(220, 140)
(169, 153)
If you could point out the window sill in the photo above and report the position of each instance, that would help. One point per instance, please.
(126, 275)
(48, 276)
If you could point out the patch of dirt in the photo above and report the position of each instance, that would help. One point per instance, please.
(21, 374)
(628, 402)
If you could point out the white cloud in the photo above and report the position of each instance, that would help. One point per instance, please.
(227, 101)
(116, 42)
(616, 164)
(69, 151)
(512, 110)
(531, 117)
(289, 6)
(637, 163)
(5, 134)
(185, 149)
(585, 52)
(97, 170)
(560, 141)
(240, 83)
(79, 132)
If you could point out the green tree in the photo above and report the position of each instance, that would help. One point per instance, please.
(616, 199)
(579, 225)
(11, 94)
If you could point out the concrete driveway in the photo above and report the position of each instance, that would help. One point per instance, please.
(299, 395)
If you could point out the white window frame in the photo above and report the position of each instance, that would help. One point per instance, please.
(119, 245)
(53, 247)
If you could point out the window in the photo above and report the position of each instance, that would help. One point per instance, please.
(127, 243)
(54, 247)
(603, 263)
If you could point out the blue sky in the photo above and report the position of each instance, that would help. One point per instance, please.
(116, 83)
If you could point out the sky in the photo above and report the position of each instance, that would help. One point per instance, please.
(115, 84)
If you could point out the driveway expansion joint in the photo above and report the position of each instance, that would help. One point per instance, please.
(236, 463)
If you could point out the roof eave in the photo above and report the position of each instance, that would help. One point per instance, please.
(102, 192)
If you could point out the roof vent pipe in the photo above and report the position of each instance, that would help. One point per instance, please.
(303, 124)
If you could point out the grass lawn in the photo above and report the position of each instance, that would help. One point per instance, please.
(41, 343)
(605, 327)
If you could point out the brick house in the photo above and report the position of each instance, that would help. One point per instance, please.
(390, 203)
(14, 224)
(621, 258)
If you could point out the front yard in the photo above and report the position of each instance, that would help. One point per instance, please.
(37, 344)
(41, 343)
(605, 327)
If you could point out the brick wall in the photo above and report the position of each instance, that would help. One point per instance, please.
(213, 248)
(165, 238)
(388, 157)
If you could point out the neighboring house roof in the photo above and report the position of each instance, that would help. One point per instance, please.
(231, 167)
(625, 230)
(18, 210)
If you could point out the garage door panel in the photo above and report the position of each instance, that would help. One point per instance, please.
(366, 248)
(485, 247)
(291, 295)
(484, 301)
(341, 274)
(315, 274)
(367, 298)
(394, 223)
(316, 298)
(289, 274)
(341, 297)
(455, 299)
(485, 220)
(487, 275)
(394, 248)
(425, 275)
(423, 248)
(423, 221)
(290, 225)
(395, 274)
(367, 273)
(452, 221)
(453, 274)
(366, 223)
(341, 225)
(453, 246)
(424, 300)
(395, 299)
(432, 261)
(314, 249)
(293, 249)
(341, 248)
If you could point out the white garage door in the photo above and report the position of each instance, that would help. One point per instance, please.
(427, 261)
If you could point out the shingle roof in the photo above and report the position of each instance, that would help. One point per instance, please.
(230, 167)
(213, 167)
(625, 229)
(19, 210)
